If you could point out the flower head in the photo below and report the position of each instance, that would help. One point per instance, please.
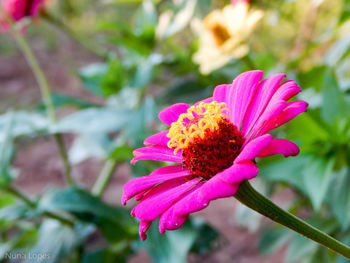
(223, 35)
(215, 143)
(19, 9)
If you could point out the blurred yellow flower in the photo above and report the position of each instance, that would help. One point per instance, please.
(223, 35)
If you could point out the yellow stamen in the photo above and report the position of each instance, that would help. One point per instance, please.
(210, 114)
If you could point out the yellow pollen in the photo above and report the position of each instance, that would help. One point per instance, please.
(207, 115)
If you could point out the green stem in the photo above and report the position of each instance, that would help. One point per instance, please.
(104, 177)
(17, 193)
(247, 195)
(46, 95)
(39, 75)
(64, 157)
(86, 43)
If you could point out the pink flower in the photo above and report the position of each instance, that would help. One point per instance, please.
(214, 143)
(19, 9)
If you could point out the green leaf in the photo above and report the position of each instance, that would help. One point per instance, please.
(317, 176)
(205, 237)
(115, 223)
(16, 211)
(284, 170)
(333, 105)
(55, 241)
(94, 120)
(87, 145)
(113, 80)
(146, 20)
(339, 197)
(92, 76)
(171, 23)
(273, 239)
(171, 247)
(299, 248)
(139, 128)
(312, 78)
(23, 124)
(121, 153)
(6, 153)
(144, 72)
(337, 51)
(187, 91)
(62, 100)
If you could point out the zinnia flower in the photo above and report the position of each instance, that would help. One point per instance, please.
(223, 35)
(19, 9)
(215, 143)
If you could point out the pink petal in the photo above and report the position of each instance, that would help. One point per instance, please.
(172, 113)
(220, 92)
(170, 221)
(156, 153)
(260, 101)
(271, 111)
(287, 90)
(199, 199)
(140, 184)
(241, 94)
(158, 139)
(160, 188)
(253, 148)
(239, 172)
(152, 207)
(280, 146)
(143, 228)
(292, 110)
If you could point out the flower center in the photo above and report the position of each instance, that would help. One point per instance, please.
(208, 140)
(219, 31)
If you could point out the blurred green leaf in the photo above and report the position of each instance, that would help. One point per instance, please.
(339, 197)
(337, 51)
(92, 76)
(6, 153)
(171, 247)
(273, 239)
(23, 124)
(55, 241)
(62, 100)
(121, 153)
(115, 223)
(16, 211)
(317, 176)
(299, 248)
(144, 72)
(94, 120)
(138, 128)
(345, 12)
(285, 170)
(186, 91)
(113, 79)
(88, 145)
(171, 23)
(333, 105)
(146, 20)
(312, 78)
(206, 236)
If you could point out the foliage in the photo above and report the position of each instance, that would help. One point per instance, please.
(145, 67)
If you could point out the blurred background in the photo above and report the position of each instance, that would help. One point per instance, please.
(112, 65)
